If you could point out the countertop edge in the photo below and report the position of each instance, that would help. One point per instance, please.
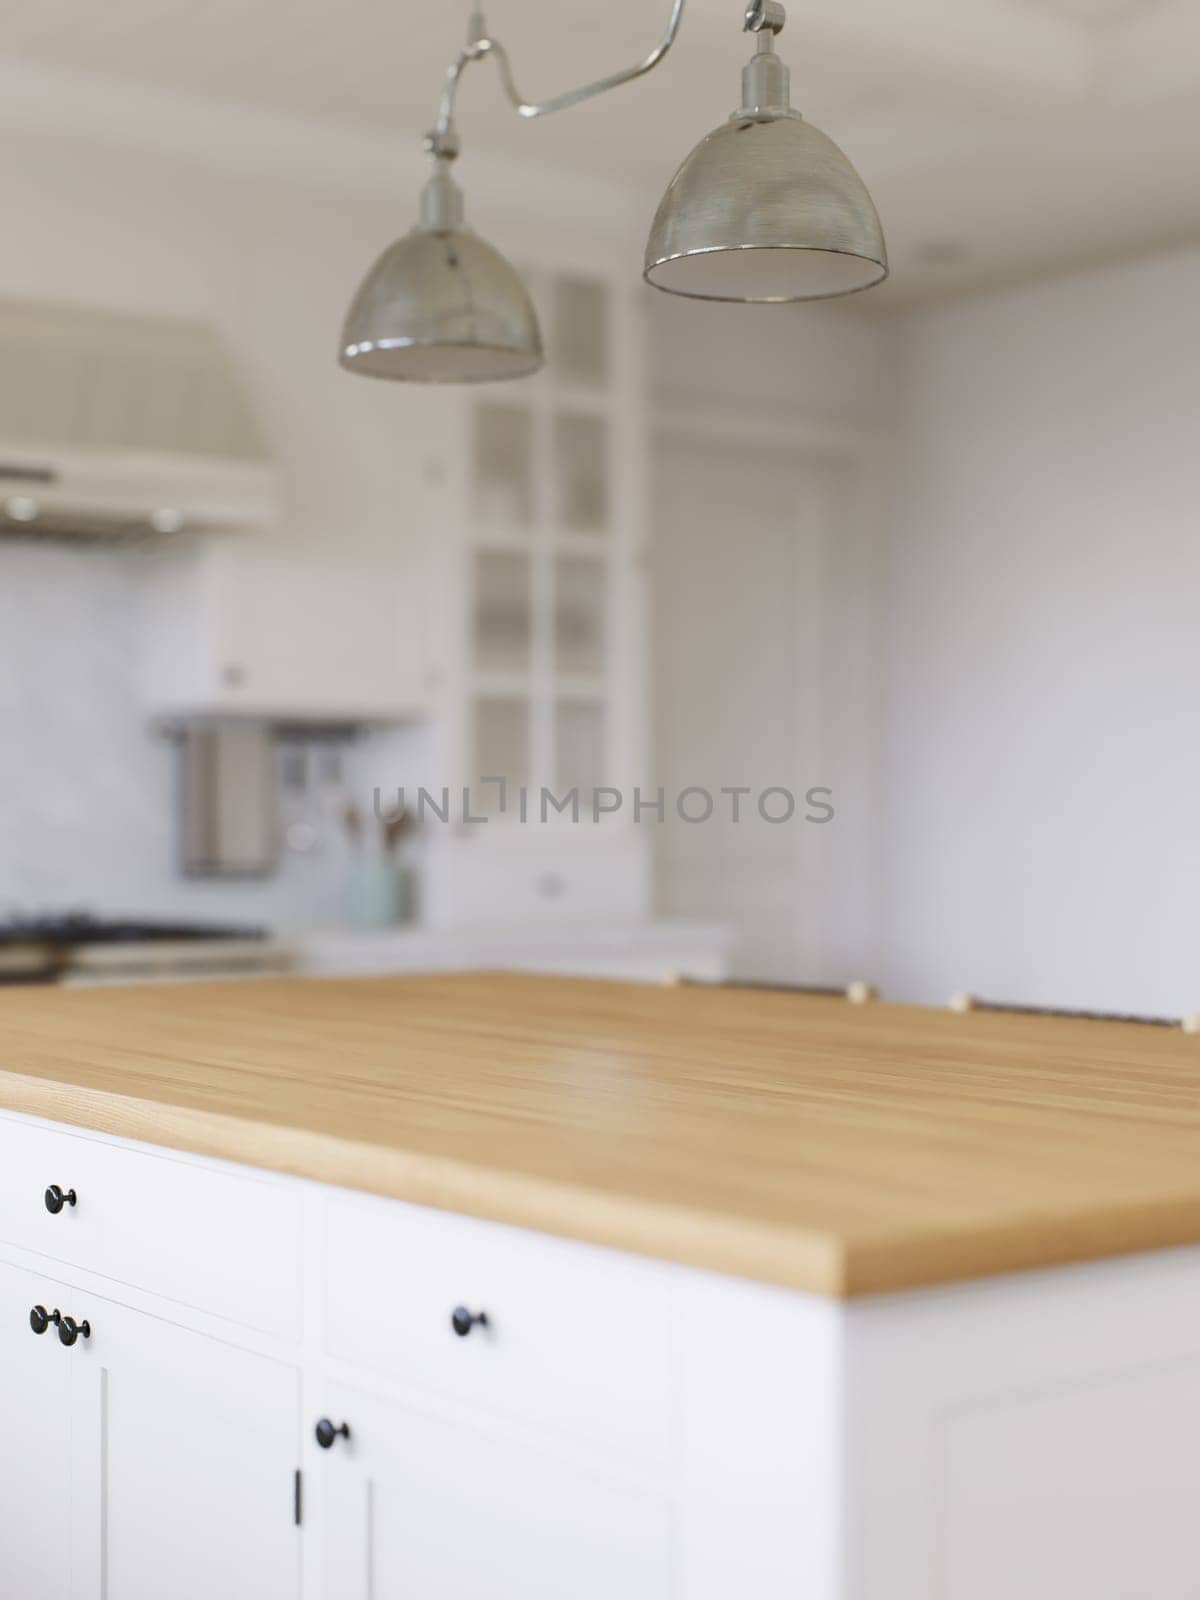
(711, 1242)
(781, 1257)
(931, 1259)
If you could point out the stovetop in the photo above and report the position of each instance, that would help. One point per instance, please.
(74, 928)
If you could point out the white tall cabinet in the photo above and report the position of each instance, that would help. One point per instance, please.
(536, 521)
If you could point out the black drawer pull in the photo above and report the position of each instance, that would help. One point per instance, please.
(57, 1198)
(462, 1320)
(69, 1330)
(40, 1319)
(327, 1433)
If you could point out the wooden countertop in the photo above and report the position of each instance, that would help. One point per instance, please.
(800, 1141)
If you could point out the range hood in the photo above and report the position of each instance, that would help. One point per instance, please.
(124, 429)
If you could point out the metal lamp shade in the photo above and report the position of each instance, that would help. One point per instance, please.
(442, 307)
(766, 211)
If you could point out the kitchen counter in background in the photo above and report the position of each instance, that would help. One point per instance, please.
(77, 947)
(649, 952)
(652, 952)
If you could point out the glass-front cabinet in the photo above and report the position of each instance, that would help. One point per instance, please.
(542, 645)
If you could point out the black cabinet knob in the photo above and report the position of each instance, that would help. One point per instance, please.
(462, 1320)
(69, 1330)
(57, 1198)
(327, 1433)
(40, 1319)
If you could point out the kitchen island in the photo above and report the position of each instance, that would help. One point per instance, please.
(493, 1285)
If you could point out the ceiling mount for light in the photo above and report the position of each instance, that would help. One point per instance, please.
(765, 209)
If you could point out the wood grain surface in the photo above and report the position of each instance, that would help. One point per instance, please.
(797, 1140)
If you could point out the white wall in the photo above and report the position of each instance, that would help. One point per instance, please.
(810, 391)
(822, 364)
(1043, 773)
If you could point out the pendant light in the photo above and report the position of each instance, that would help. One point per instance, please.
(765, 209)
(441, 305)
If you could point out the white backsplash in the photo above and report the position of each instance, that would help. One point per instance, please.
(87, 804)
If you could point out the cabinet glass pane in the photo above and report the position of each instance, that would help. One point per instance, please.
(503, 466)
(501, 745)
(580, 587)
(579, 745)
(502, 627)
(581, 463)
(580, 346)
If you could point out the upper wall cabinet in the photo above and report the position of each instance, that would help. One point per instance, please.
(282, 635)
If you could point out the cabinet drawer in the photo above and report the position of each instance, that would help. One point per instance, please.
(480, 882)
(204, 1237)
(578, 1340)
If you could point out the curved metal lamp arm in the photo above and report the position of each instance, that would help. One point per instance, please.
(443, 141)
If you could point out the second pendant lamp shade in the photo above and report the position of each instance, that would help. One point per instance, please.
(766, 208)
(766, 211)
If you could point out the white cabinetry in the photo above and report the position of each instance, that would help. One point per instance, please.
(142, 1459)
(1032, 1436)
(561, 1351)
(544, 1421)
(538, 507)
(35, 1507)
(637, 952)
(219, 1240)
(565, 1438)
(285, 635)
(615, 1427)
(419, 1505)
(186, 1456)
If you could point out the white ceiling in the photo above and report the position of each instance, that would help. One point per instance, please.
(1000, 137)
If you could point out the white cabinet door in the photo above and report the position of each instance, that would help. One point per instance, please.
(35, 1461)
(316, 638)
(417, 1506)
(194, 1446)
(281, 634)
